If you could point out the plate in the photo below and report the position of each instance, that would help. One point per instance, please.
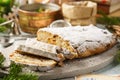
(77, 66)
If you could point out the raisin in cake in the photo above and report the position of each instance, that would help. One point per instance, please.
(78, 41)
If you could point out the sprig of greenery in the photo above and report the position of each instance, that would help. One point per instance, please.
(15, 69)
(15, 73)
(2, 59)
(2, 20)
(21, 77)
(27, 77)
(3, 28)
(108, 20)
(117, 58)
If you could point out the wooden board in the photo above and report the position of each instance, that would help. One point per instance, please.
(78, 66)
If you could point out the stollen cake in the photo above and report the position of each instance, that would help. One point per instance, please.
(78, 41)
(32, 62)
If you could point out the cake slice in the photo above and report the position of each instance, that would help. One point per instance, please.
(34, 47)
(32, 62)
(79, 41)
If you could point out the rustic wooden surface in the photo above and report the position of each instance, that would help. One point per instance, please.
(73, 67)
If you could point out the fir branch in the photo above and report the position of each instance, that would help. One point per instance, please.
(108, 21)
(2, 59)
(2, 20)
(15, 73)
(28, 77)
(21, 77)
(15, 69)
(3, 28)
(117, 58)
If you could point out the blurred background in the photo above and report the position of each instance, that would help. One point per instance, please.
(24, 16)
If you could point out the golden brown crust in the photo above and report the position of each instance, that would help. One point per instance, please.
(98, 50)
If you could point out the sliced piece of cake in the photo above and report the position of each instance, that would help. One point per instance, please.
(34, 47)
(32, 62)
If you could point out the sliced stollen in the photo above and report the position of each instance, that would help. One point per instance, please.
(33, 62)
(34, 47)
(80, 41)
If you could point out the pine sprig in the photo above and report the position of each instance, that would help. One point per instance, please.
(3, 29)
(2, 59)
(108, 20)
(117, 58)
(15, 69)
(15, 73)
(27, 77)
(21, 77)
(2, 20)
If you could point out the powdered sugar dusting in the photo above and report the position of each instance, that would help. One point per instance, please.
(82, 38)
(33, 43)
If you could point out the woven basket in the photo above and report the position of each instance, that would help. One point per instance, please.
(31, 21)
